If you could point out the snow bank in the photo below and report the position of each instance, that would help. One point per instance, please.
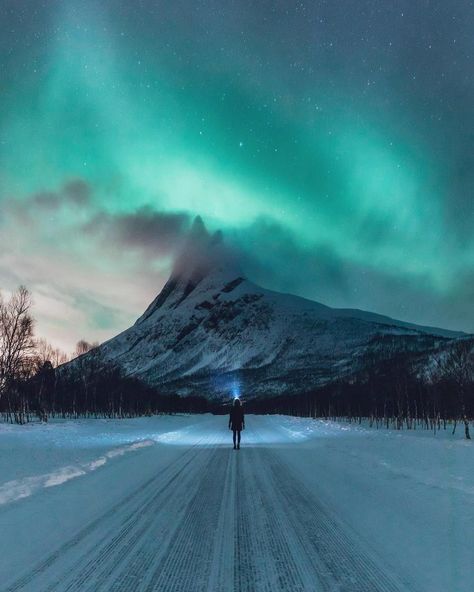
(37, 456)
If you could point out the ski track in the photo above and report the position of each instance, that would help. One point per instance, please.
(215, 520)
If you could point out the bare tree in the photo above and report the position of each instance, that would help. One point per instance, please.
(457, 366)
(16, 341)
(45, 352)
(83, 346)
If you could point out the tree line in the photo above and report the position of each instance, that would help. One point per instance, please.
(403, 391)
(396, 386)
(36, 382)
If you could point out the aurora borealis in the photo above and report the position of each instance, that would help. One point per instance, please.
(332, 142)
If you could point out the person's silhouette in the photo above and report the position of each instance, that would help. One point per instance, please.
(236, 422)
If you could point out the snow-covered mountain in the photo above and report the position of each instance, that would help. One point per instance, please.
(211, 331)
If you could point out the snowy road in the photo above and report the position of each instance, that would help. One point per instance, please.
(193, 514)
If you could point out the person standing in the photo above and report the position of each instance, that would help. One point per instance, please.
(236, 422)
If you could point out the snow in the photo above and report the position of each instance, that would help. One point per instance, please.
(408, 493)
(164, 503)
(64, 450)
(211, 321)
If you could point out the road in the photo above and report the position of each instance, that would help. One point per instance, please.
(215, 519)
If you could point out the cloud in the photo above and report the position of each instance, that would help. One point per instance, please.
(74, 194)
(93, 272)
(77, 192)
(203, 250)
(272, 255)
(155, 233)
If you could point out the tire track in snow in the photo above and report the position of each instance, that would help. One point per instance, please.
(106, 521)
(222, 566)
(103, 559)
(187, 563)
(290, 571)
(337, 555)
(245, 569)
(266, 554)
(215, 520)
(164, 520)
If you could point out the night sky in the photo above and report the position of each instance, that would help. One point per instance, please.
(331, 141)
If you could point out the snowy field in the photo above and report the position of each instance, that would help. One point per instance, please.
(164, 503)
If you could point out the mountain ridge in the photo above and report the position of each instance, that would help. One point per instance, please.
(210, 329)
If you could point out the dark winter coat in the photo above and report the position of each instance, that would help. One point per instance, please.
(236, 419)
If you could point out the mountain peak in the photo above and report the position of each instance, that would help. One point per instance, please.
(202, 252)
(204, 255)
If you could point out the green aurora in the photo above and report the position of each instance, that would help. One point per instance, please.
(267, 137)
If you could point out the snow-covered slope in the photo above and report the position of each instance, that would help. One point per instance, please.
(211, 331)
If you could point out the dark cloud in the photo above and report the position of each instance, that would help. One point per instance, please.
(156, 233)
(413, 299)
(272, 255)
(77, 192)
(266, 252)
(203, 250)
(43, 201)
